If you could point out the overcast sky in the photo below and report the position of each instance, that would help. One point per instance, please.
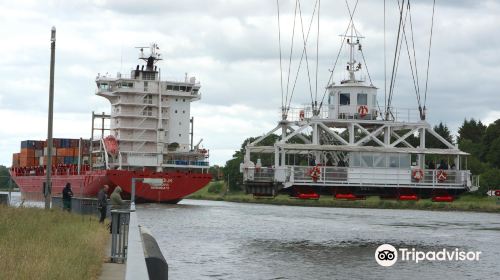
(231, 46)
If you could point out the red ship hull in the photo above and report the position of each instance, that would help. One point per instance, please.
(176, 185)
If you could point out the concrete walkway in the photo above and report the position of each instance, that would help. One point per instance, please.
(112, 271)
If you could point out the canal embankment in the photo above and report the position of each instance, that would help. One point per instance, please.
(50, 244)
(466, 202)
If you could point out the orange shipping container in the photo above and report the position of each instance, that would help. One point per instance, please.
(27, 152)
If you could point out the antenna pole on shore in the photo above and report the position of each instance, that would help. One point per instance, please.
(48, 184)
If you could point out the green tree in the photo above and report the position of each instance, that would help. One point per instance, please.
(471, 130)
(493, 155)
(491, 135)
(489, 180)
(433, 142)
(4, 177)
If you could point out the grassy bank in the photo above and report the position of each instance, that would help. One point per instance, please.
(49, 244)
(463, 203)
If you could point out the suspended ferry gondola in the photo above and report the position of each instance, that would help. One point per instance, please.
(352, 148)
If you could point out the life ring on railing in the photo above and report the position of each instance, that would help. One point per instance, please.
(363, 111)
(301, 115)
(314, 173)
(417, 174)
(441, 176)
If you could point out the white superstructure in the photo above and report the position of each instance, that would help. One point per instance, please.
(150, 118)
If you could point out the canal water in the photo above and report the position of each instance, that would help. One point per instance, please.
(224, 240)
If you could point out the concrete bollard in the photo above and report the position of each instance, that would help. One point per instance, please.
(155, 262)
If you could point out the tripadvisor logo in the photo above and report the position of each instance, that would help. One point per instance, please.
(387, 255)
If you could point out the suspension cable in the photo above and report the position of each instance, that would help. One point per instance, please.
(281, 67)
(340, 50)
(317, 55)
(301, 59)
(305, 51)
(291, 52)
(395, 54)
(429, 55)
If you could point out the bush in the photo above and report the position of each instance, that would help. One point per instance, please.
(216, 187)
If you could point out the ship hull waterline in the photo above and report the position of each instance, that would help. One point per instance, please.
(176, 185)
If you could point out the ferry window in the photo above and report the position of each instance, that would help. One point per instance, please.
(176, 99)
(176, 88)
(355, 160)
(366, 160)
(404, 161)
(176, 111)
(183, 100)
(345, 99)
(188, 89)
(170, 87)
(182, 88)
(183, 111)
(362, 99)
(394, 160)
(379, 160)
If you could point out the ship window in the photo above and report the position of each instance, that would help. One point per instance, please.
(362, 99)
(125, 85)
(179, 135)
(188, 89)
(183, 111)
(150, 76)
(176, 99)
(176, 88)
(176, 111)
(170, 87)
(148, 111)
(148, 99)
(184, 100)
(182, 88)
(345, 99)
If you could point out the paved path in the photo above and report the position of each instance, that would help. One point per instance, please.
(112, 271)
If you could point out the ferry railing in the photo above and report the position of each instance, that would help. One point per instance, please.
(368, 176)
(264, 174)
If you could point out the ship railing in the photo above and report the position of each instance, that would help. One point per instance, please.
(187, 162)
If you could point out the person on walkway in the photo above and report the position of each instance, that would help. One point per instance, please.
(102, 202)
(67, 194)
(116, 203)
(116, 199)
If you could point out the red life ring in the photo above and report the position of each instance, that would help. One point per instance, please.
(301, 115)
(363, 111)
(314, 173)
(441, 176)
(417, 174)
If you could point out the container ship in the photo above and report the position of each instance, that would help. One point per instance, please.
(147, 134)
